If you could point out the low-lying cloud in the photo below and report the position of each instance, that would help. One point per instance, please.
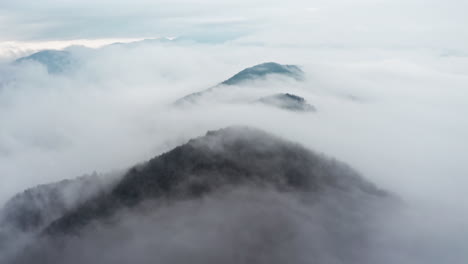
(395, 115)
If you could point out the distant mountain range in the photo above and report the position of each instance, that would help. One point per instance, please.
(58, 61)
(62, 61)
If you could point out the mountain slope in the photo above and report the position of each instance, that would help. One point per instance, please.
(288, 101)
(261, 71)
(56, 61)
(37, 207)
(235, 195)
(228, 157)
(256, 73)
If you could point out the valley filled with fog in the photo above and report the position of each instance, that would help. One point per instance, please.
(394, 115)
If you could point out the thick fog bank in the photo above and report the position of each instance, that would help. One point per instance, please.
(242, 225)
(395, 115)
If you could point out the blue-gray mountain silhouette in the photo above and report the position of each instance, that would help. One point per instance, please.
(263, 70)
(56, 61)
(288, 101)
(255, 73)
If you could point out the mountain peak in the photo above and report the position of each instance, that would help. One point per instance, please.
(226, 158)
(233, 180)
(55, 61)
(262, 70)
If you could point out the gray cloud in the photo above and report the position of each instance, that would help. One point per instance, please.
(388, 103)
(242, 225)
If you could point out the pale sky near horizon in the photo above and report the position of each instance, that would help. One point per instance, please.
(360, 23)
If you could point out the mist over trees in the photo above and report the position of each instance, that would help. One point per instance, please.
(105, 155)
(258, 198)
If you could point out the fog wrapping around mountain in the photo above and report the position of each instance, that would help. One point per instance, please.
(393, 115)
(252, 193)
(55, 61)
(37, 207)
(288, 102)
(240, 82)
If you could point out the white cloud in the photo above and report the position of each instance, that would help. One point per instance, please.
(406, 130)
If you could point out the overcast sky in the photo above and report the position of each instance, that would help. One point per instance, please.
(362, 23)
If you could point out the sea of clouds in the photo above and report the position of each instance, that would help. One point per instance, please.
(394, 110)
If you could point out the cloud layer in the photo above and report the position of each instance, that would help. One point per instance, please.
(388, 79)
